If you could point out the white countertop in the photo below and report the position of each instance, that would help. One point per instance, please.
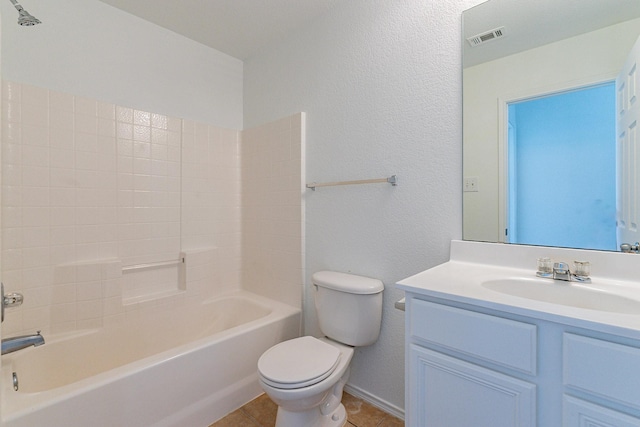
(460, 280)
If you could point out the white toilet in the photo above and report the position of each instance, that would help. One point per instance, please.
(305, 376)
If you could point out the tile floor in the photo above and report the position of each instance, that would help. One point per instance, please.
(261, 412)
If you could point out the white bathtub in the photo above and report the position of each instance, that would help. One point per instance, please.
(187, 367)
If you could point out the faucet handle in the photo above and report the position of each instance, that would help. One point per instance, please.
(545, 267)
(9, 300)
(582, 271)
(13, 299)
(582, 268)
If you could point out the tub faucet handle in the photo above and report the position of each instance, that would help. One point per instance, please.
(13, 299)
(9, 300)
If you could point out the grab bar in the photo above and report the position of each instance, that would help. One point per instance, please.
(152, 265)
(393, 180)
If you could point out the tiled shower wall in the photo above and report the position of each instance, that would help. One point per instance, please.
(273, 162)
(89, 188)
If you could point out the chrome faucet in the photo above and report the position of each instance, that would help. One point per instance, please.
(9, 345)
(561, 271)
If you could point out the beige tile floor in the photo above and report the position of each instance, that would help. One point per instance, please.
(261, 412)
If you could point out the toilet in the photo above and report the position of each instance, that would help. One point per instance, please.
(305, 376)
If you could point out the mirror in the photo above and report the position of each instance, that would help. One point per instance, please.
(515, 51)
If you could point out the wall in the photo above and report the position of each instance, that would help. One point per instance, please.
(380, 84)
(273, 210)
(593, 59)
(90, 187)
(90, 49)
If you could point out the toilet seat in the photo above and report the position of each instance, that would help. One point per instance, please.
(298, 363)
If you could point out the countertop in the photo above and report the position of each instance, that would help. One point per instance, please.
(460, 280)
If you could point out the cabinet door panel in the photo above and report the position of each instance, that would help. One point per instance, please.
(505, 342)
(453, 393)
(602, 368)
(579, 413)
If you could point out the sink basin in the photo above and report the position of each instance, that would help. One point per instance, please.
(572, 294)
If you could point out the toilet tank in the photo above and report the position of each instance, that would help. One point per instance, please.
(349, 307)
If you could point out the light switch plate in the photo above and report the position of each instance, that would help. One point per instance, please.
(470, 184)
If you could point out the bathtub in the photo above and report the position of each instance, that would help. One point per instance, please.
(184, 367)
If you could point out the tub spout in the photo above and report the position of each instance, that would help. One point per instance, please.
(9, 345)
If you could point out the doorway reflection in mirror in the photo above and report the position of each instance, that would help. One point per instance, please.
(561, 171)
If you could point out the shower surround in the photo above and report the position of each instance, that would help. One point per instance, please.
(90, 187)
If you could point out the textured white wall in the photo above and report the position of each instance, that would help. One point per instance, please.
(90, 49)
(380, 82)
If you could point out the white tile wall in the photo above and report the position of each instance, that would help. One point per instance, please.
(90, 187)
(148, 186)
(273, 210)
(211, 196)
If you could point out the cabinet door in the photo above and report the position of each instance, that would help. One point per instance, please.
(448, 392)
(602, 368)
(579, 413)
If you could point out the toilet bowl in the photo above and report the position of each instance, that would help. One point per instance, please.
(305, 378)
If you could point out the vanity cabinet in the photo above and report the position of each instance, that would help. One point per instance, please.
(473, 366)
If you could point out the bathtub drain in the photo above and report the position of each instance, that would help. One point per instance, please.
(15, 381)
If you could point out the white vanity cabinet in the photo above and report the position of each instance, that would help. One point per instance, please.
(470, 366)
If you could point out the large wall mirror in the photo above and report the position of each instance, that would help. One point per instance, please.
(549, 112)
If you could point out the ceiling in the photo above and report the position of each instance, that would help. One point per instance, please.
(531, 23)
(239, 28)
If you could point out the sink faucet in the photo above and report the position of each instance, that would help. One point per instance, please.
(9, 345)
(561, 271)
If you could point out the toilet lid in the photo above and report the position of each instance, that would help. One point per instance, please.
(298, 363)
